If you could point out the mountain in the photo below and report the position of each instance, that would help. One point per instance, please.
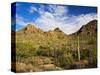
(88, 29)
(57, 30)
(32, 29)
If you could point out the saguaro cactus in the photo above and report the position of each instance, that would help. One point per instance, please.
(78, 47)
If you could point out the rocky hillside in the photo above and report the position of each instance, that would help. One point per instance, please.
(88, 29)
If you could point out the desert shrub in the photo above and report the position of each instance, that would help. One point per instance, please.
(46, 51)
(35, 61)
(51, 51)
(90, 55)
(87, 53)
(22, 67)
(91, 41)
(65, 60)
(84, 53)
(47, 61)
(75, 55)
(93, 58)
(42, 52)
(22, 54)
(25, 49)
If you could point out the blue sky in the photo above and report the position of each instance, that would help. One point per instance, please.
(47, 17)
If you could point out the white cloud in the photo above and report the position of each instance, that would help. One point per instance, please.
(60, 11)
(40, 10)
(20, 20)
(32, 9)
(76, 22)
(47, 21)
(56, 18)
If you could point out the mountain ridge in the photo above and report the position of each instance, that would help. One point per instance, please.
(89, 28)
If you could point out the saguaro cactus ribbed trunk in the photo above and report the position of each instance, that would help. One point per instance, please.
(78, 47)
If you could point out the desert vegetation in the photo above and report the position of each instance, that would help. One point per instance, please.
(54, 50)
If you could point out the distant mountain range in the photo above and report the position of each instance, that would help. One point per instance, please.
(88, 29)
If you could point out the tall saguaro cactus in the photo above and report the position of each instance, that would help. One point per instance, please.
(78, 47)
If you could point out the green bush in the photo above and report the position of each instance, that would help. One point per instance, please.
(65, 60)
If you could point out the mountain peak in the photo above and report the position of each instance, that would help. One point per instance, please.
(31, 29)
(57, 30)
(29, 26)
